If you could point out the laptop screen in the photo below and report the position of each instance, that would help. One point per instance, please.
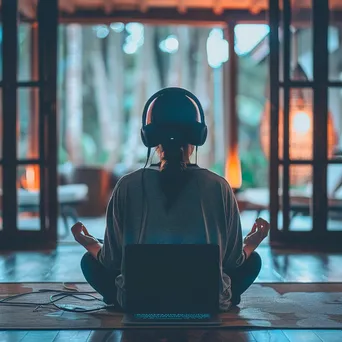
(172, 278)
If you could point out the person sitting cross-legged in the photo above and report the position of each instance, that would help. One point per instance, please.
(173, 202)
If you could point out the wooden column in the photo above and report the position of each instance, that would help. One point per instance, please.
(274, 117)
(47, 31)
(320, 119)
(34, 98)
(233, 166)
(286, 126)
(9, 110)
(233, 71)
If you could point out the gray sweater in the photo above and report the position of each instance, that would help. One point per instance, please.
(205, 212)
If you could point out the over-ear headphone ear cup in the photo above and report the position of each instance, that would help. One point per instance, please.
(143, 137)
(197, 134)
(204, 134)
(150, 135)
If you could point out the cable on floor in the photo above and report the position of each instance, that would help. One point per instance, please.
(59, 295)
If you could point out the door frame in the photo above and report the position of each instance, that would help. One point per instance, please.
(48, 140)
(44, 35)
(319, 237)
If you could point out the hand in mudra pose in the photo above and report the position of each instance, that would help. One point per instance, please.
(81, 235)
(258, 233)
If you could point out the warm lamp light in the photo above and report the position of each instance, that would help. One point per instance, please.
(31, 181)
(233, 168)
(300, 129)
(301, 137)
(301, 122)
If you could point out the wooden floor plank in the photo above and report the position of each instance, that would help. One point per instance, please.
(329, 335)
(174, 335)
(72, 335)
(182, 335)
(269, 336)
(301, 336)
(12, 336)
(104, 336)
(64, 265)
(46, 336)
(218, 336)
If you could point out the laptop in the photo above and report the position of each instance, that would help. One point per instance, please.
(172, 284)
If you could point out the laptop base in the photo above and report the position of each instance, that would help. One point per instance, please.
(171, 319)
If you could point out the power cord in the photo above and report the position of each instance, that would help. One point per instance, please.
(59, 295)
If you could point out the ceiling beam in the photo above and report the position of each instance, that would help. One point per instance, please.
(164, 16)
(108, 6)
(67, 6)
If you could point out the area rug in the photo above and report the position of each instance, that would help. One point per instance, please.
(264, 305)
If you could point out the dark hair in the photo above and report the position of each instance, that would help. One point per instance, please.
(173, 175)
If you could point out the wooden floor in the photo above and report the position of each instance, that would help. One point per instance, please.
(63, 264)
(278, 266)
(174, 336)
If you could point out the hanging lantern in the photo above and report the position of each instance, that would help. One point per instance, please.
(233, 168)
(300, 130)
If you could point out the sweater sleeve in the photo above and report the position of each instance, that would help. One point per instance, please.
(234, 255)
(110, 254)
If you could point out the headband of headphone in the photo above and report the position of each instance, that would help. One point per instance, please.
(153, 134)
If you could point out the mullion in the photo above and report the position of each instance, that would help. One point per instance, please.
(308, 84)
(311, 162)
(286, 114)
(42, 124)
(9, 106)
(296, 162)
(33, 161)
(320, 105)
(274, 119)
(47, 38)
(25, 84)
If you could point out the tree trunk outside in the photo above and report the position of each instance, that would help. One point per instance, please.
(146, 82)
(203, 90)
(115, 63)
(101, 93)
(73, 98)
(179, 71)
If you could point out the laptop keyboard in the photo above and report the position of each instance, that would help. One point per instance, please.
(172, 317)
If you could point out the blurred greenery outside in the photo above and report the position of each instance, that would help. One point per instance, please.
(106, 73)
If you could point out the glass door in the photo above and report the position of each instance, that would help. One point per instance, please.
(303, 135)
(28, 124)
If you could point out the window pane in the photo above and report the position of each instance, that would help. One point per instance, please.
(1, 199)
(0, 51)
(334, 190)
(335, 123)
(300, 125)
(301, 46)
(28, 123)
(27, 53)
(28, 196)
(334, 44)
(300, 197)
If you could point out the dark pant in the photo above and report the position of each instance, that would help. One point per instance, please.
(244, 276)
(103, 280)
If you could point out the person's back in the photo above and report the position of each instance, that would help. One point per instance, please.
(199, 215)
(174, 202)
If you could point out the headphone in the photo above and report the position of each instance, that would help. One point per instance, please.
(153, 134)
